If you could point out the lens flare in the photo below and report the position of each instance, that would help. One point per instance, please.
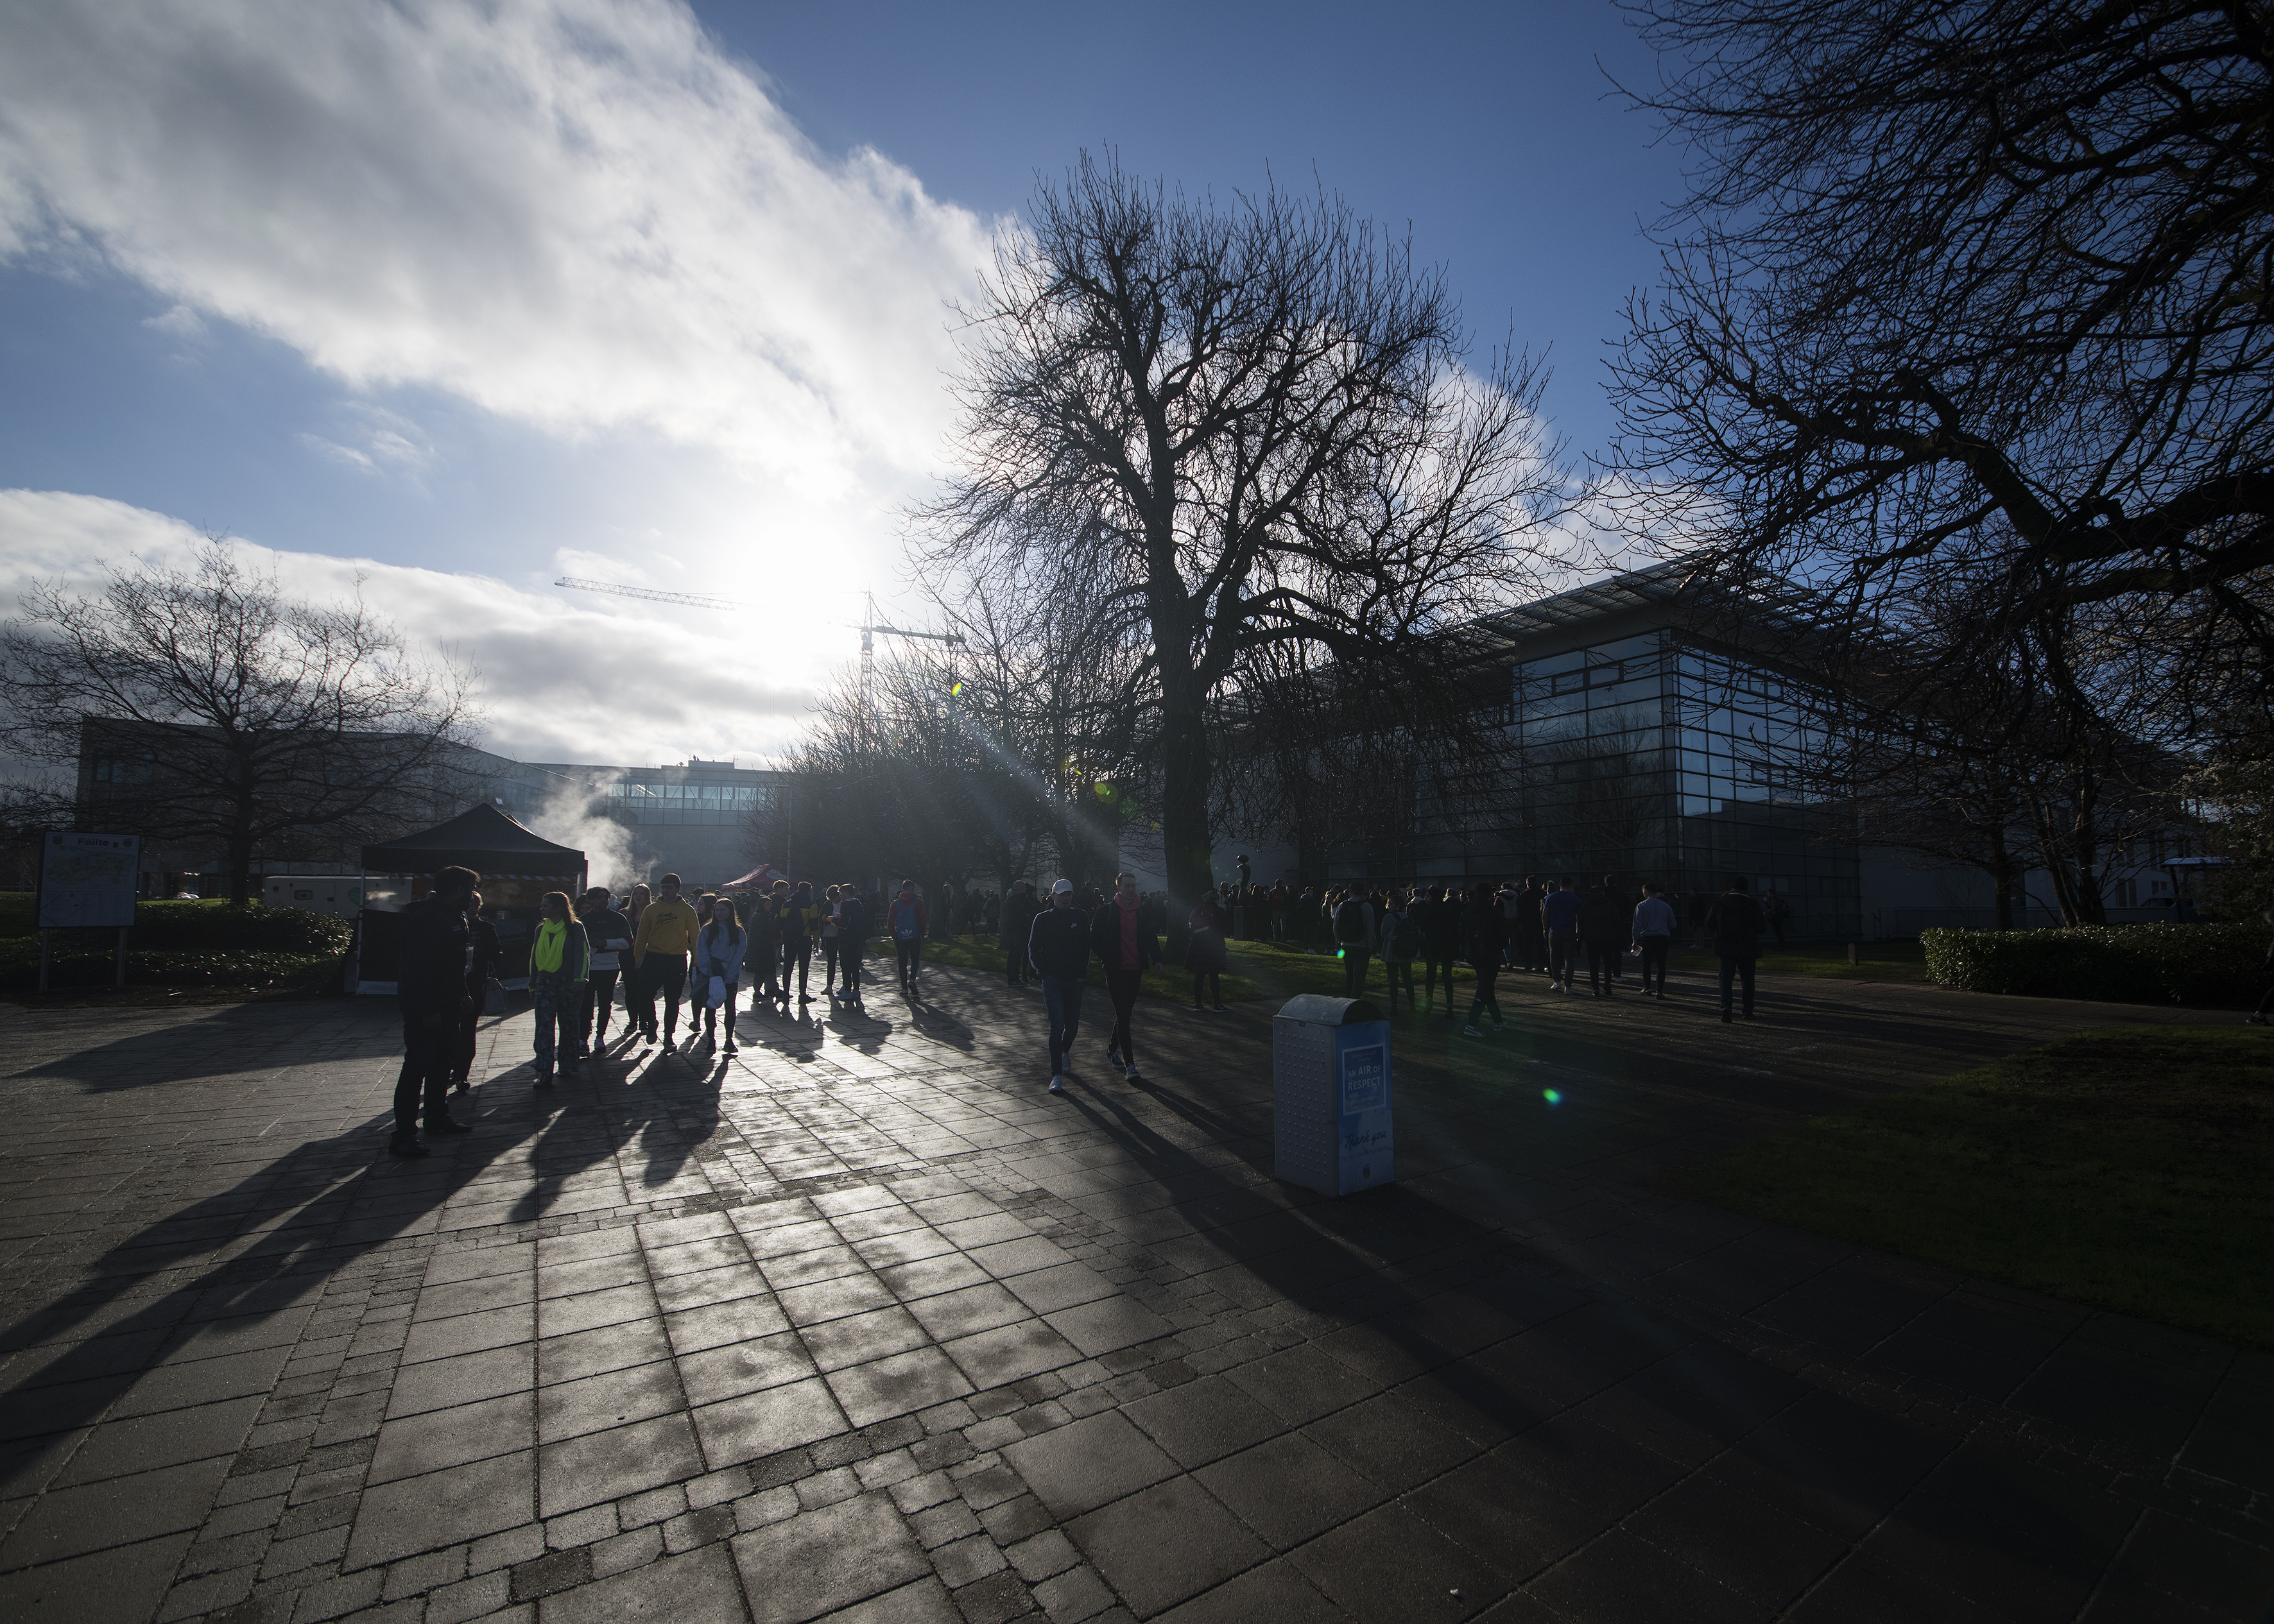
(1552, 1097)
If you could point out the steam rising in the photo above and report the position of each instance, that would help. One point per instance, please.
(568, 819)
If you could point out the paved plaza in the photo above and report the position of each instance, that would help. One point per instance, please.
(860, 1325)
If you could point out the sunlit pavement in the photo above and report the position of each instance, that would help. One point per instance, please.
(862, 1324)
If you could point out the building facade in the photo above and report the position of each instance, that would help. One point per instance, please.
(1652, 739)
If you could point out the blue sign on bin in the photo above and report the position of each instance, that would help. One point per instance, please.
(1366, 1151)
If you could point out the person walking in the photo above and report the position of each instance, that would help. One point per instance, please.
(852, 941)
(830, 898)
(2257, 1017)
(719, 954)
(1605, 926)
(430, 988)
(1653, 934)
(1118, 936)
(904, 922)
(1775, 911)
(1058, 947)
(1735, 925)
(608, 934)
(1204, 950)
(1017, 923)
(1559, 910)
(1484, 934)
(661, 943)
(560, 958)
(762, 954)
(1354, 937)
(1401, 945)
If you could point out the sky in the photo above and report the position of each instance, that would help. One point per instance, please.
(438, 301)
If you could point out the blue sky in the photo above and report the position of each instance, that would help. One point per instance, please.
(457, 298)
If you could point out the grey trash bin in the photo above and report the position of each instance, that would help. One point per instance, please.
(1330, 1091)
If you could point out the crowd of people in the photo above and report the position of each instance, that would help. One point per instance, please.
(663, 948)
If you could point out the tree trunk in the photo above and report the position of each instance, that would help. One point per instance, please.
(1184, 839)
(240, 868)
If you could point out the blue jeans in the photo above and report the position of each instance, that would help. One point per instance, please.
(1062, 999)
(1742, 968)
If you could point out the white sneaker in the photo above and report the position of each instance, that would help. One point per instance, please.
(1471, 1032)
(1131, 1073)
(1058, 1084)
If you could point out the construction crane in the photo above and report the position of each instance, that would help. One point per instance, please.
(692, 600)
(871, 628)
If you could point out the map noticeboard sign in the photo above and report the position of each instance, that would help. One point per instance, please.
(1366, 1152)
(87, 880)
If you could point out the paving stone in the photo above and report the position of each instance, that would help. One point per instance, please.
(821, 1561)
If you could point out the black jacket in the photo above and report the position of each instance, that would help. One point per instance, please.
(1105, 936)
(430, 977)
(1058, 944)
(1018, 921)
(851, 923)
(1735, 925)
(1482, 932)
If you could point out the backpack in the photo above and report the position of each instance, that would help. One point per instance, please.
(1350, 923)
(1405, 936)
(903, 920)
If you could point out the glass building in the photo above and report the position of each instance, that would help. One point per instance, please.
(1651, 738)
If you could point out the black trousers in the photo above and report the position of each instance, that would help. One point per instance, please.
(1018, 971)
(829, 953)
(1603, 965)
(665, 973)
(849, 964)
(1740, 970)
(911, 960)
(1487, 997)
(1121, 986)
(600, 1003)
(797, 955)
(425, 1074)
(1431, 968)
(1653, 962)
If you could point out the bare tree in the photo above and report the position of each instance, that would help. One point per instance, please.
(1983, 283)
(202, 706)
(1231, 440)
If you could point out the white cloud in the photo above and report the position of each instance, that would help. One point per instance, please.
(577, 214)
(628, 683)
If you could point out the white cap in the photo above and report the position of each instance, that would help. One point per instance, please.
(1063, 888)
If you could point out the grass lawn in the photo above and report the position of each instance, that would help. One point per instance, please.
(2127, 1168)
(1878, 962)
(1256, 970)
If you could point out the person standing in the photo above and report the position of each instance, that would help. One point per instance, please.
(560, 958)
(484, 953)
(2257, 1017)
(1204, 950)
(852, 941)
(1441, 945)
(1559, 911)
(1653, 934)
(905, 921)
(661, 943)
(608, 934)
(1057, 945)
(1401, 945)
(720, 951)
(830, 898)
(1484, 935)
(1528, 945)
(800, 925)
(1354, 936)
(1019, 911)
(762, 954)
(1735, 925)
(1119, 937)
(430, 988)
(1604, 927)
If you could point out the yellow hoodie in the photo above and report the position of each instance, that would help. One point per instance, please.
(664, 927)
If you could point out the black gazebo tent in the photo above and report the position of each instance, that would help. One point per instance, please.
(515, 865)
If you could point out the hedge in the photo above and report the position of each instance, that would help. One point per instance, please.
(2214, 966)
(20, 967)
(208, 927)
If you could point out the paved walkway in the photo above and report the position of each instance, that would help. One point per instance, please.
(861, 1325)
